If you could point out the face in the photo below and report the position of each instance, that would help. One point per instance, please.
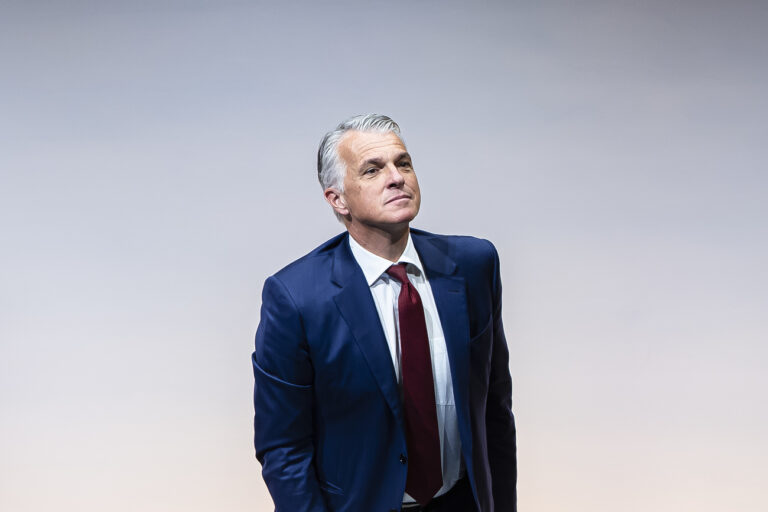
(380, 186)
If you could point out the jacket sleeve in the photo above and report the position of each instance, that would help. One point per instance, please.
(283, 400)
(500, 422)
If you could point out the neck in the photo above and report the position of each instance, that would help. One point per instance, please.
(388, 244)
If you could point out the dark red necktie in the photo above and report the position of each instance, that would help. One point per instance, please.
(425, 476)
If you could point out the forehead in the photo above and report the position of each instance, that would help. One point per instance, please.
(356, 146)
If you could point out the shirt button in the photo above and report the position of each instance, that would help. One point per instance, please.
(403, 459)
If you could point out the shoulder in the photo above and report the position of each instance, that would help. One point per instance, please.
(313, 262)
(306, 278)
(475, 259)
(461, 248)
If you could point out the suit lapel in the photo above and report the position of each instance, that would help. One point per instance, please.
(450, 297)
(356, 305)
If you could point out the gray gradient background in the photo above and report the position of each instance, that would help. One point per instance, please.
(157, 164)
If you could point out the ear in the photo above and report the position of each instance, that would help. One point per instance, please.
(336, 200)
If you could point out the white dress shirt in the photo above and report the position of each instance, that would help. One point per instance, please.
(385, 291)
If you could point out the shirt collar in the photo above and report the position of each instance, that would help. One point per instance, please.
(374, 266)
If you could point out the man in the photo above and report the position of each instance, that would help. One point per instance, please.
(381, 367)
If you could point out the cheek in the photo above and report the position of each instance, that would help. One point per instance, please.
(371, 195)
(414, 183)
(352, 194)
(360, 200)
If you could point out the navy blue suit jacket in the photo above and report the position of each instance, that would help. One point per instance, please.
(329, 423)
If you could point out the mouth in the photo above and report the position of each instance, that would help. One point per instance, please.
(397, 198)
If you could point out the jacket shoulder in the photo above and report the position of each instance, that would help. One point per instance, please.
(313, 267)
(460, 247)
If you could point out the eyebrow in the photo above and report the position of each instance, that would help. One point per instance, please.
(380, 163)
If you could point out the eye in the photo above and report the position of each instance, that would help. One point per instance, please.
(371, 170)
(405, 163)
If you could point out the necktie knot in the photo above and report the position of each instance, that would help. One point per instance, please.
(398, 272)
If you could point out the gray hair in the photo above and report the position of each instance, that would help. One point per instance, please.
(330, 169)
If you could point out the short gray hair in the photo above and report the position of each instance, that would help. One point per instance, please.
(330, 169)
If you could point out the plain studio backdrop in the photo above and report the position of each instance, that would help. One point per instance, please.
(158, 163)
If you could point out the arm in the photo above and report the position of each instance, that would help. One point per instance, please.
(283, 399)
(500, 422)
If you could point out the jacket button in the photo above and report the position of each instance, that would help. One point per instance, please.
(403, 459)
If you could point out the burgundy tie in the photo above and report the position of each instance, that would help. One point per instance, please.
(425, 475)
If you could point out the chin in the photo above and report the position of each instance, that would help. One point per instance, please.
(404, 216)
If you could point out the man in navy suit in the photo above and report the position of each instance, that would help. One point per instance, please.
(381, 368)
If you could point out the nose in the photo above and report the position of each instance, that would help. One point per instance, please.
(395, 177)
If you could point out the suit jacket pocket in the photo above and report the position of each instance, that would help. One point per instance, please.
(331, 488)
(482, 332)
(480, 349)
